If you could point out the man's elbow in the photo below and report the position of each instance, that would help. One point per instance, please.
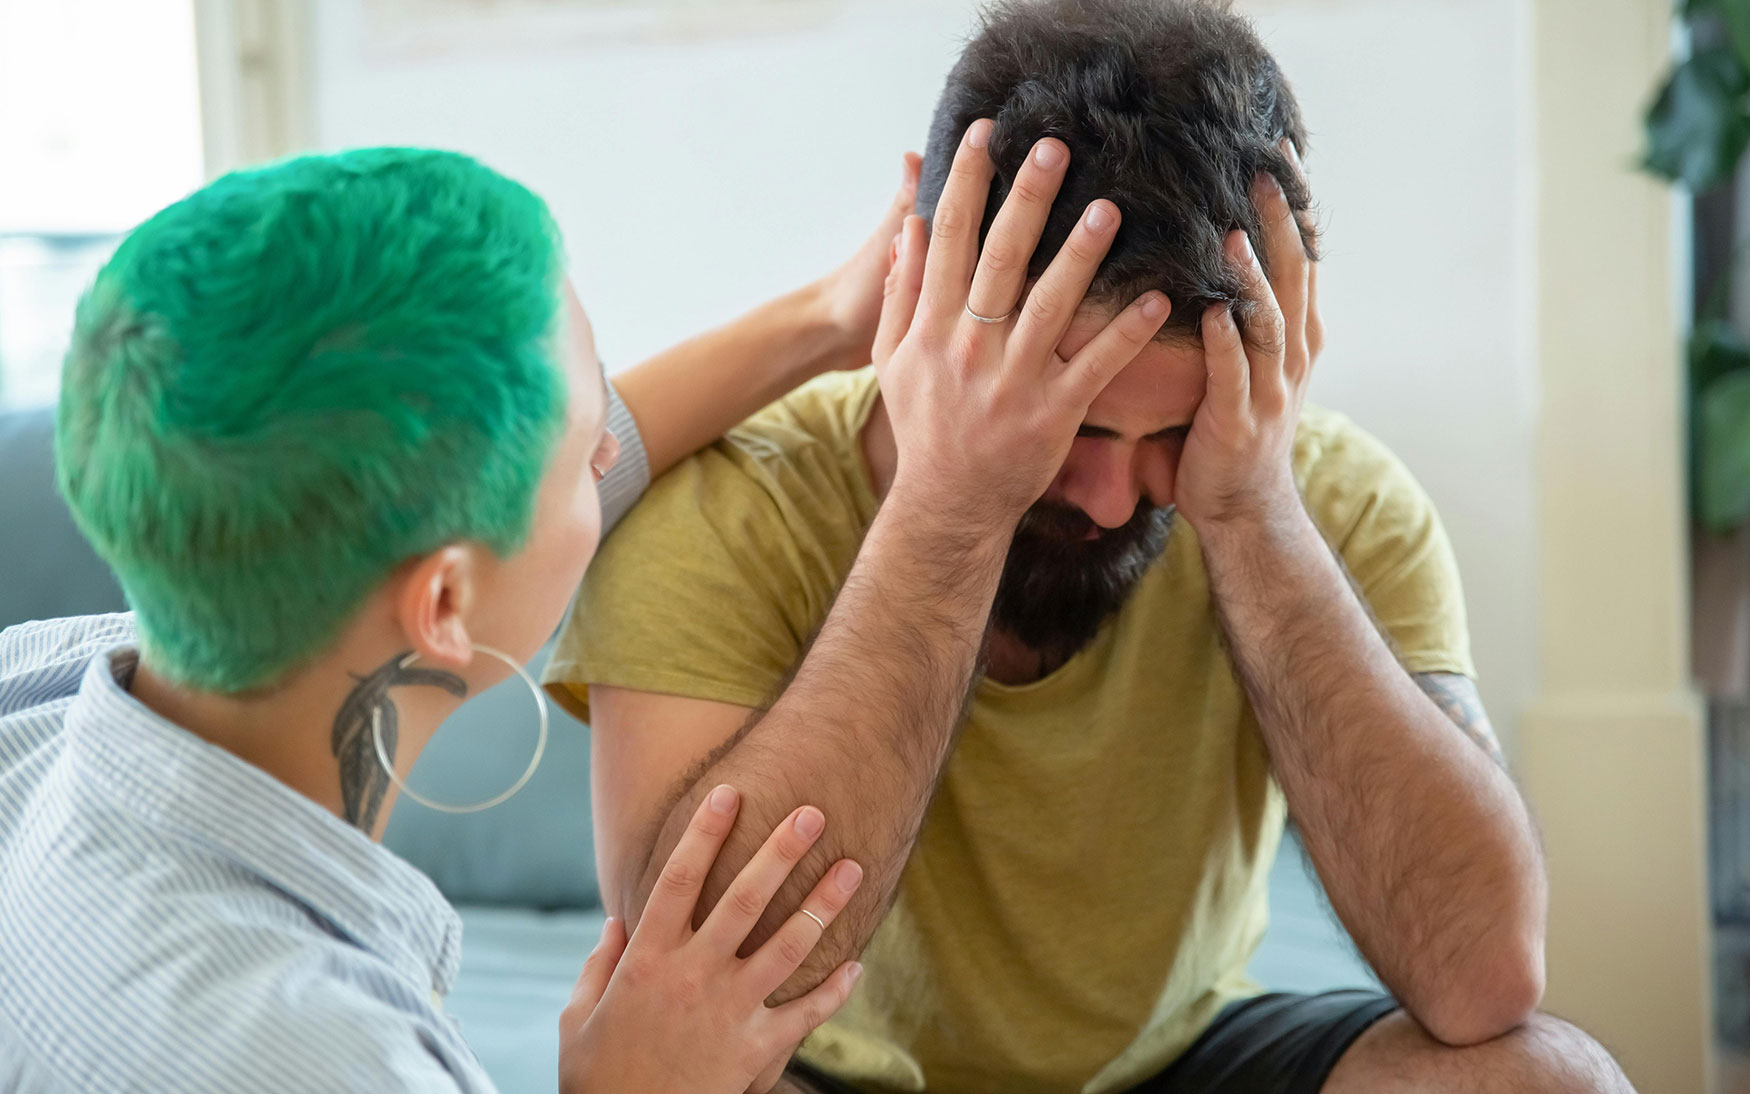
(1493, 997)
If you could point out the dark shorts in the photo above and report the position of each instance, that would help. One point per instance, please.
(1274, 1044)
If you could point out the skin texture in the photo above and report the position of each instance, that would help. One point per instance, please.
(311, 728)
(895, 658)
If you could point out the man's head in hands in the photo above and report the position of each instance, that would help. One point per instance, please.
(1171, 109)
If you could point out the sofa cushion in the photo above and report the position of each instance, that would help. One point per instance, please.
(518, 968)
(50, 571)
(535, 849)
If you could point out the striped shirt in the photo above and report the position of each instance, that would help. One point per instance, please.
(175, 919)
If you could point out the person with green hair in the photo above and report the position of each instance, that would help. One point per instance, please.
(338, 426)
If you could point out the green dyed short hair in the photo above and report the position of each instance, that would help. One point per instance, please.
(297, 378)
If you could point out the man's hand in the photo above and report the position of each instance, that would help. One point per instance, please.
(675, 1011)
(1423, 844)
(983, 408)
(1236, 464)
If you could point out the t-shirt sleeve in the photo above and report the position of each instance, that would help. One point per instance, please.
(701, 592)
(1389, 535)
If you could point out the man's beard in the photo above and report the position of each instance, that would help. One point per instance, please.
(1059, 586)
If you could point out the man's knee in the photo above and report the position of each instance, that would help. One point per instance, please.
(1560, 1057)
(1545, 1054)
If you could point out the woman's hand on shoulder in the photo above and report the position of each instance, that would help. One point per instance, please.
(674, 1008)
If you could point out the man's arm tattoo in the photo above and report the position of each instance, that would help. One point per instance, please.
(1457, 696)
(362, 779)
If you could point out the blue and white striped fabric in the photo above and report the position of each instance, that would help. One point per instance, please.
(175, 919)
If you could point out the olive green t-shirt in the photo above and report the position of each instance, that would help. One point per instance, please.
(1090, 881)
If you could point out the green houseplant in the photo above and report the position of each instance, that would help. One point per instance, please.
(1697, 130)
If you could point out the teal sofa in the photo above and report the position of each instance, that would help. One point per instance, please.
(523, 874)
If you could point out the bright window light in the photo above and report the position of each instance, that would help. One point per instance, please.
(99, 128)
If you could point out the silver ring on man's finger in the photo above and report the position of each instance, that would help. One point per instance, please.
(988, 319)
(814, 917)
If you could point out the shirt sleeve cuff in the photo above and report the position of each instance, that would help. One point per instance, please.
(627, 480)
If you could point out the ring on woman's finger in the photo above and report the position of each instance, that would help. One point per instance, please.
(988, 319)
(814, 917)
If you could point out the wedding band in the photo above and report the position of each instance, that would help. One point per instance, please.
(814, 917)
(986, 318)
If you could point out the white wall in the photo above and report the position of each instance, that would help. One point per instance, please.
(698, 173)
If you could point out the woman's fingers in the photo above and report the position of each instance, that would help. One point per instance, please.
(954, 231)
(798, 1018)
(1014, 235)
(598, 969)
(669, 912)
(905, 280)
(906, 199)
(729, 923)
(1092, 368)
(784, 952)
(1053, 300)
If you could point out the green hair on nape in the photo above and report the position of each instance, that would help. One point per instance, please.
(297, 378)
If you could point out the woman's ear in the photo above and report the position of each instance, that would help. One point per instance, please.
(433, 603)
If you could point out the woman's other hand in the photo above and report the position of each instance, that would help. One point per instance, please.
(675, 1008)
(852, 294)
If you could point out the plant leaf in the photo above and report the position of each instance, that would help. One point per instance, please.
(1715, 349)
(1696, 127)
(1723, 466)
(1737, 18)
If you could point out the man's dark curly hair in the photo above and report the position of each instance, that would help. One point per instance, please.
(1169, 107)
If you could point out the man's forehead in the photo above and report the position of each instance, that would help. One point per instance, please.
(1159, 389)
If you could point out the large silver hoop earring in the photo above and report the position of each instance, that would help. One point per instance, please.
(475, 807)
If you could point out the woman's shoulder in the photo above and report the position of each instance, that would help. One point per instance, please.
(220, 986)
(43, 660)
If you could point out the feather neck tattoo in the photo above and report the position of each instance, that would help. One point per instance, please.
(362, 779)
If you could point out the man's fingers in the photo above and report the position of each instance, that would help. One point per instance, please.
(1228, 394)
(1287, 253)
(784, 952)
(729, 923)
(1106, 354)
(954, 232)
(1014, 235)
(598, 969)
(1265, 332)
(1053, 300)
(669, 913)
(797, 1019)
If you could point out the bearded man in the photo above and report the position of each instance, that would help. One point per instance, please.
(1227, 608)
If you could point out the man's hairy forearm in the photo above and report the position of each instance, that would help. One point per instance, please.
(1423, 843)
(863, 728)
